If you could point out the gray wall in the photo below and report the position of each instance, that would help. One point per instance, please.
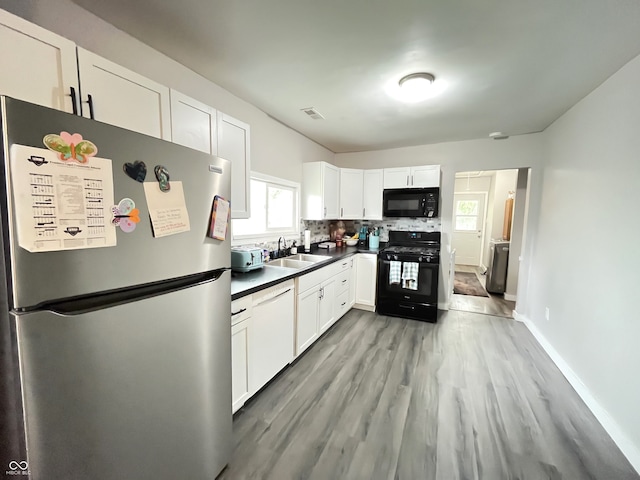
(585, 249)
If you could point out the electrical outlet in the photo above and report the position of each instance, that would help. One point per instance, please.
(546, 313)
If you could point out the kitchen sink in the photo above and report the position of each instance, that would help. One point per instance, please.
(289, 263)
(306, 257)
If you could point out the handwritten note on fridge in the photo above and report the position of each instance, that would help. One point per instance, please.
(168, 210)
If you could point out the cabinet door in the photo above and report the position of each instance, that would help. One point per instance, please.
(352, 282)
(307, 319)
(366, 279)
(372, 194)
(425, 176)
(270, 338)
(193, 124)
(331, 182)
(234, 139)
(351, 193)
(327, 308)
(239, 366)
(118, 96)
(397, 177)
(37, 66)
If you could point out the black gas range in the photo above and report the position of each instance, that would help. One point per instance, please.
(408, 269)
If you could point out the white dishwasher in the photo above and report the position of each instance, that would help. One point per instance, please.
(271, 333)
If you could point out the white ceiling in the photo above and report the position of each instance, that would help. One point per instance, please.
(510, 65)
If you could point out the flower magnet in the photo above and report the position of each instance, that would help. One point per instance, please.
(70, 147)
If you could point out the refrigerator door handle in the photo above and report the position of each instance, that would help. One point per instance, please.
(88, 303)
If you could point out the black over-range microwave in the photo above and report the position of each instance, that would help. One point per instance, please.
(411, 202)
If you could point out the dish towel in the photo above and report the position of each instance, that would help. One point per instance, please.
(410, 275)
(394, 272)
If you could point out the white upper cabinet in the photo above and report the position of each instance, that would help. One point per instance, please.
(412, 177)
(36, 65)
(118, 96)
(372, 194)
(425, 176)
(397, 177)
(320, 192)
(193, 124)
(234, 144)
(351, 188)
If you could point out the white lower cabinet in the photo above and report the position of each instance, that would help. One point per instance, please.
(240, 326)
(352, 281)
(326, 308)
(239, 372)
(307, 319)
(271, 334)
(366, 272)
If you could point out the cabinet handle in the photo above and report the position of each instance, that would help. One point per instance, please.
(273, 298)
(74, 102)
(408, 181)
(344, 281)
(412, 180)
(90, 102)
(341, 211)
(238, 312)
(325, 211)
(343, 304)
(363, 210)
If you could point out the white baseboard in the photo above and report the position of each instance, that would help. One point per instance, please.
(628, 448)
(368, 308)
(511, 298)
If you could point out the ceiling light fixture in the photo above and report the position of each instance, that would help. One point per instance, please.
(415, 87)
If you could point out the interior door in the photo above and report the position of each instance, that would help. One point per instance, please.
(468, 227)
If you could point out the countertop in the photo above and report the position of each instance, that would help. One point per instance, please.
(243, 284)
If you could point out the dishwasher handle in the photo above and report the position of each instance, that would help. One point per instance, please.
(270, 299)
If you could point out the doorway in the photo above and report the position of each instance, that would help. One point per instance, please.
(484, 217)
(468, 227)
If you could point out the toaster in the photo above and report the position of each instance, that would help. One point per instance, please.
(245, 259)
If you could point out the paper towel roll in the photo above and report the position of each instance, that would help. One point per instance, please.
(307, 240)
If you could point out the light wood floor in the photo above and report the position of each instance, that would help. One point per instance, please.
(471, 397)
(494, 304)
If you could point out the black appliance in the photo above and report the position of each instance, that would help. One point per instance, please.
(411, 202)
(408, 275)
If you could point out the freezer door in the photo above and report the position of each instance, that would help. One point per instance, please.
(140, 390)
(138, 258)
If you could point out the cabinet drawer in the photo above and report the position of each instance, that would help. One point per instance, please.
(342, 281)
(342, 304)
(342, 265)
(240, 309)
(313, 279)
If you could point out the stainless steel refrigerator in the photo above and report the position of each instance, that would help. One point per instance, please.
(115, 361)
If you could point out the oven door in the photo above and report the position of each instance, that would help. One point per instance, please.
(424, 291)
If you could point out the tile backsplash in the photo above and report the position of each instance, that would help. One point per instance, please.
(320, 228)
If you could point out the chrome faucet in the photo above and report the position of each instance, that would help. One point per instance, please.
(284, 244)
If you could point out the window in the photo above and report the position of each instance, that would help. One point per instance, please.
(274, 209)
(466, 215)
